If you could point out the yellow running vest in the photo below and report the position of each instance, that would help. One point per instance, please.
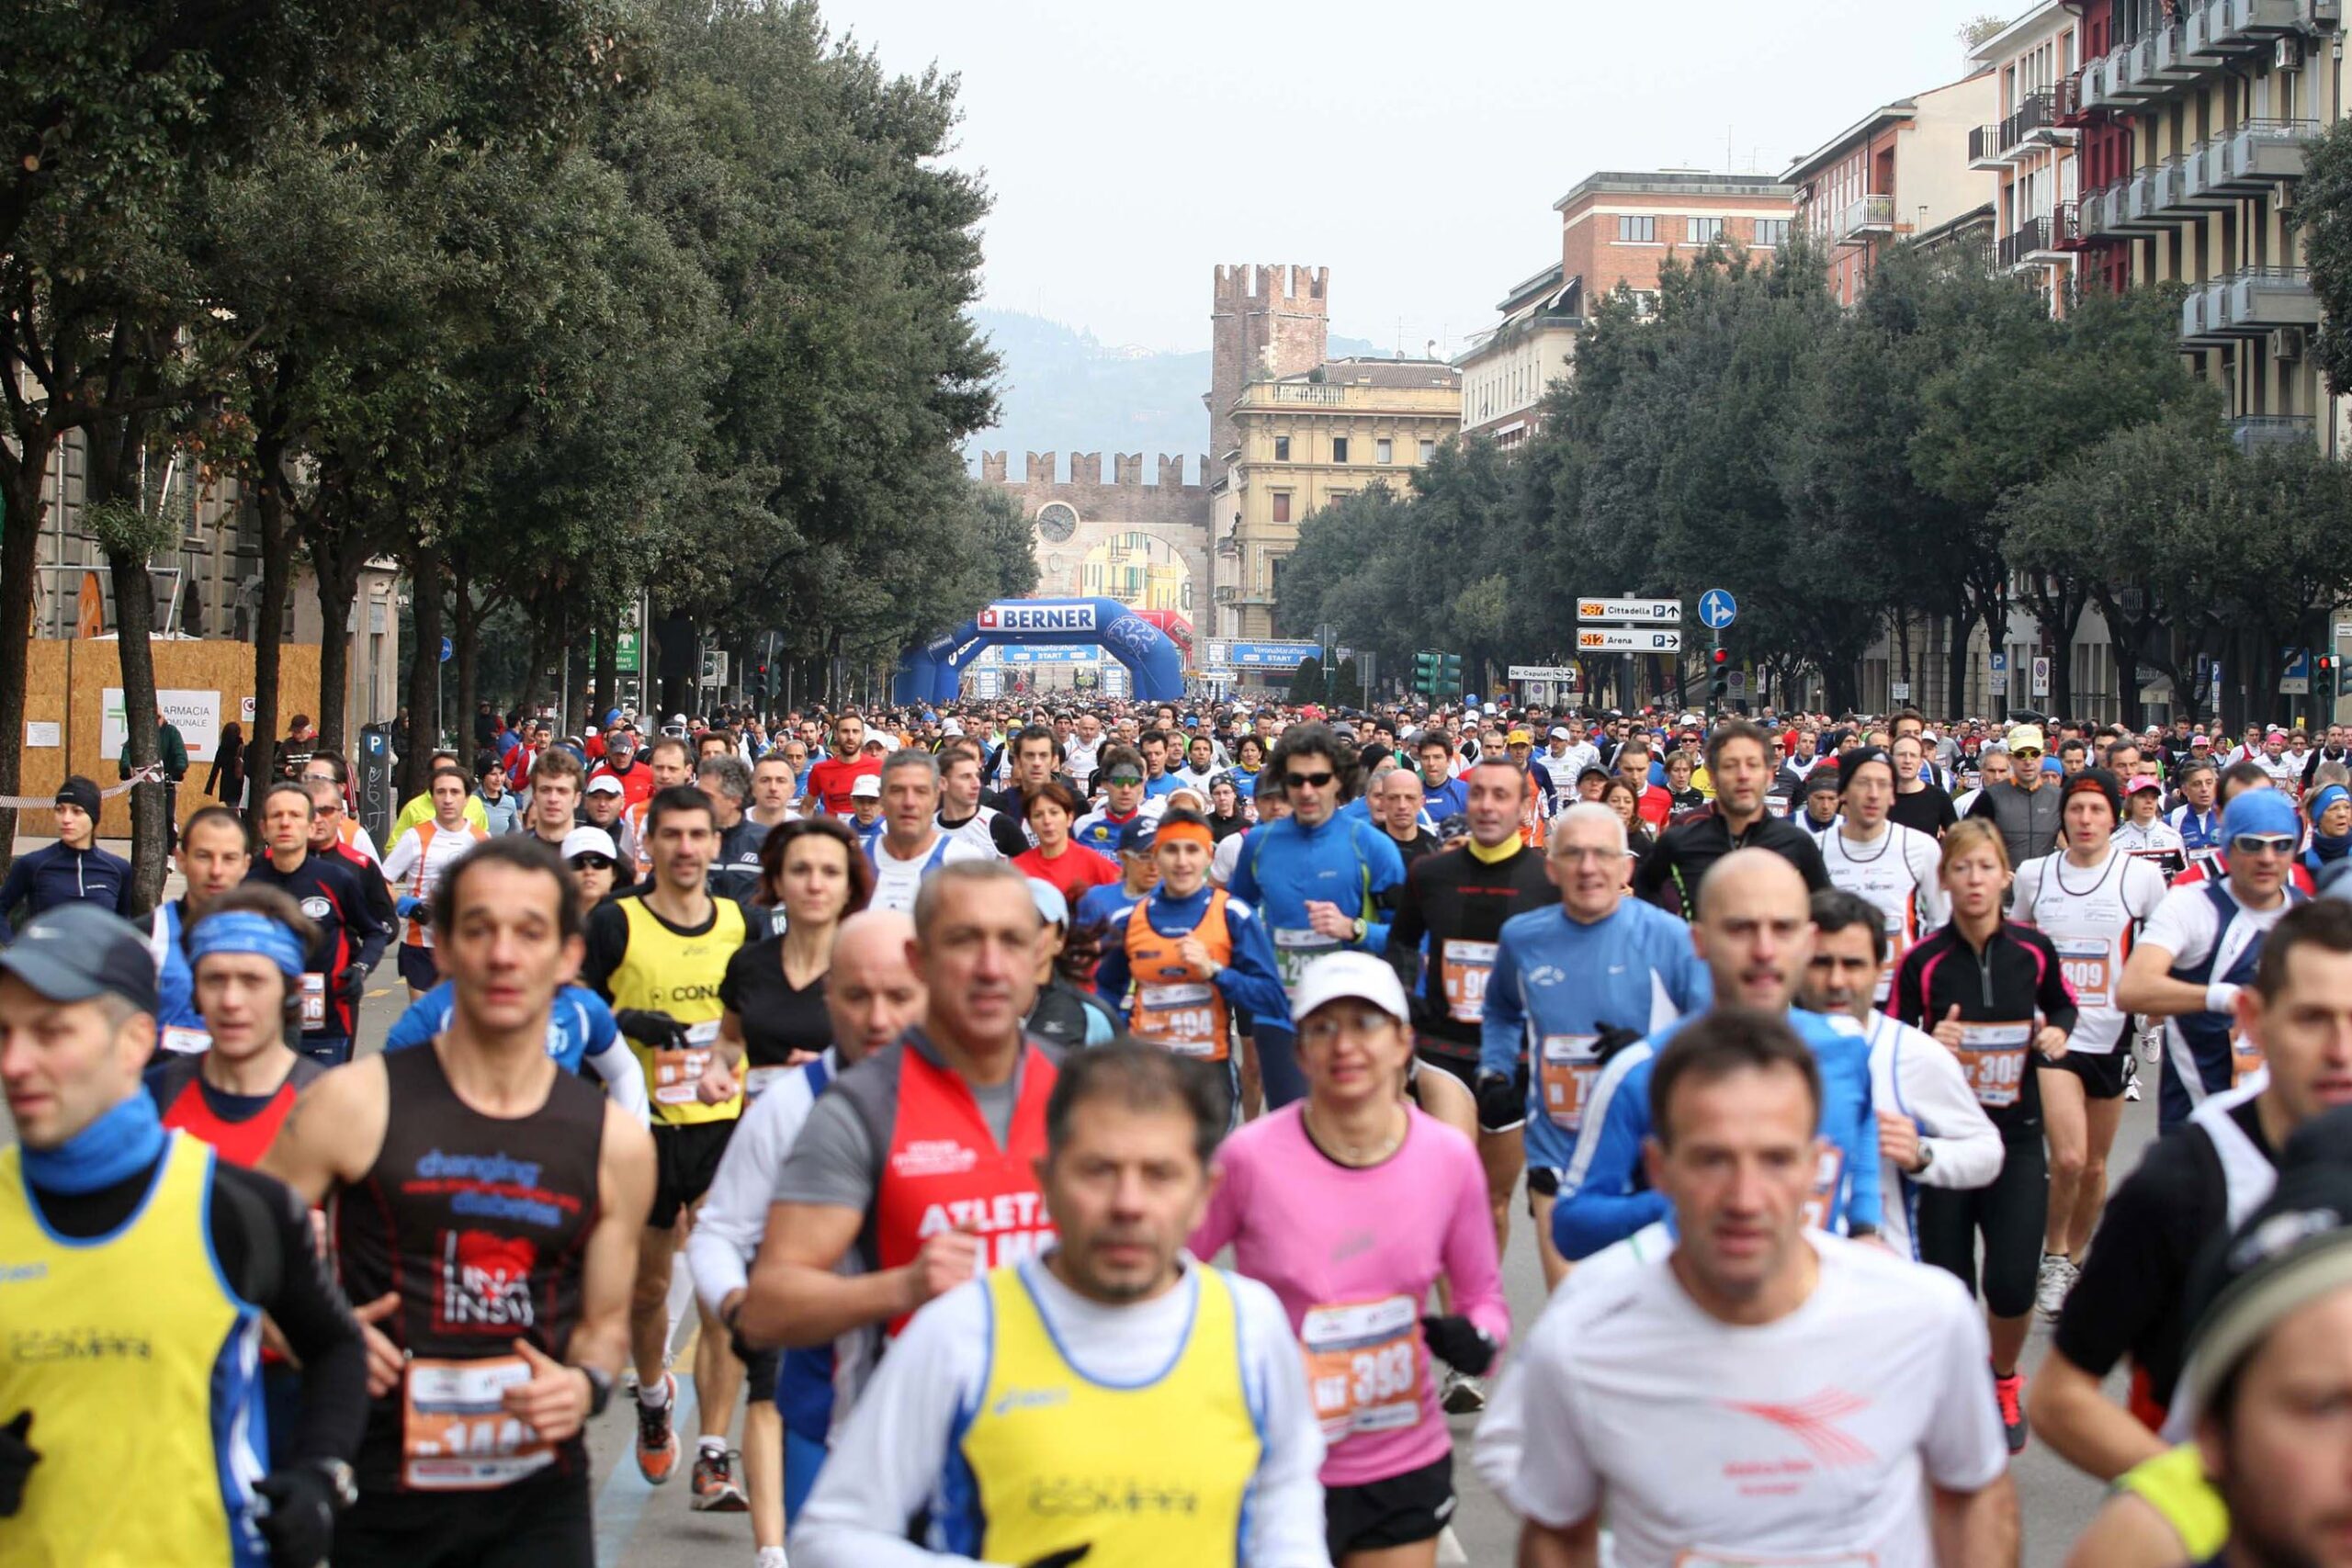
(115, 1345)
(665, 972)
(1147, 1476)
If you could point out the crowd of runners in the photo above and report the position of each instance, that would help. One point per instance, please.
(1092, 1129)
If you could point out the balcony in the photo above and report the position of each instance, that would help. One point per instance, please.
(1864, 217)
(2123, 84)
(2167, 197)
(2258, 298)
(2258, 430)
(1321, 394)
(2250, 24)
(2101, 213)
(2197, 326)
(2272, 151)
(2066, 233)
(1984, 148)
(2067, 108)
(2018, 249)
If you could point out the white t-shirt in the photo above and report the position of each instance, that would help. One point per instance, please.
(1812, 1434)
(896, 880)
(2089, 914)
(888, 1460)
(1897, 873)
(414, 866)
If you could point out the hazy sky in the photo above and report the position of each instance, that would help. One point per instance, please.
(1415, 149)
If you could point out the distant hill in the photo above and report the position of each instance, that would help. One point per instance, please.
(1064, 390)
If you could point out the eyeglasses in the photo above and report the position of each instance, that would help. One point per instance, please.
(1309, 781)
(2262, 843)
(1116, 779)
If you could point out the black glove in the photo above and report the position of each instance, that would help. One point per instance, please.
(1501, 1101)
(354, 984)
(300, 1526)
(1061, 1559)
(1611, 1040)
(1456, 1341)
(18, 1458)
(652, 1027)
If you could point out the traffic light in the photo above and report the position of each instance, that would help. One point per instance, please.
(2325, 679)
(1425, 674)
(1721, 662)
(1450, 674)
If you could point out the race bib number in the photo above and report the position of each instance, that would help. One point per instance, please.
(1462, 968)
(1182, 1017)
(1363, 1365)
(2246, 1058)
(2087, 962)
(1993, 1056)
(456, 1434)
(1296, 948)
(185, 1042)
(1820, 1210)
(677, 1074)
(314, 1001)
(1567, 1065)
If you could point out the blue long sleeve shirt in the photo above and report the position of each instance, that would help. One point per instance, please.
(1249, 982)
(1602, 1198)
(1343, 861)
(1558, 984)
(54, 875)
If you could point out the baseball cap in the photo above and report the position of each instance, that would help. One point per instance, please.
(1052, 907)
(1518, 738)
(2200, 740)
(605, 784)
(76, 952)
(865, 786)
(1135, 836)
(590, 841)
(2144, 782)
(1357, 975)
(2025, 737)
(1559, 732)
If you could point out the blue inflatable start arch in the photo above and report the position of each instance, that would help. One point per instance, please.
(933, 673)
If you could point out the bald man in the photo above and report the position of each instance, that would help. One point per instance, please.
(1754, 934)
(871, 996)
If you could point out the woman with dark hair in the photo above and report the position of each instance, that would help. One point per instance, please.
(1068, 868)
(226, 782)
(1618, 795)
(1249, 761)
(774, 991)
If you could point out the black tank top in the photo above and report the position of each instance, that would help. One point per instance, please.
(481, 1223)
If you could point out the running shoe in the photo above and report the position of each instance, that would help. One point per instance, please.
(714, 1483)
(2150, 1044)
(2057, 1278)
(2010, 1392)
(657, 1444)
(1463, 1395)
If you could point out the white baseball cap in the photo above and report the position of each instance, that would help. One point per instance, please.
(590, 841)
(605, 784)
(865, 786)
(1358, 975)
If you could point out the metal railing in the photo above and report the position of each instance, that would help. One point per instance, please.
(1868, 214)
(2249, 432)
(2017, 248)
(1321, 393)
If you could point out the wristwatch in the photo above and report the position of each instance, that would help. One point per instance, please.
(342, 1484)
(1926, 1155)
(600, 1388)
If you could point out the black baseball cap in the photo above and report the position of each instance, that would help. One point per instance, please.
(77, 952)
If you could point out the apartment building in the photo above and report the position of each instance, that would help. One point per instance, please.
(1614, 228)
(2027, 151)
(2195, 118)
(1900, 170)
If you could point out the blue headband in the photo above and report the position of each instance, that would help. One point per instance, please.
(2261, 811)
(243, 930)
(2326, 798)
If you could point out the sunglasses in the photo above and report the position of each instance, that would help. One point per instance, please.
(2262, 843)
(1125, 779)
(591, 863)
(2025, 751)
(1309, 781)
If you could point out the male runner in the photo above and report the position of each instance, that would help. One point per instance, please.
(911, 845)
(668, 764)
(962, 813)
(487, 1206)
(658, 956)
(1739, 761)
(1125, 799)
(829, 781)
(1765, 1391)
(350, 940)
(1175, 1388)
(556, 784)
(246, 954)
(2024, 807)
(774, 788)
(1891, 865)
(137, 1269)
(414, 866)
(214, 853)
(734, 873)
(620, 763)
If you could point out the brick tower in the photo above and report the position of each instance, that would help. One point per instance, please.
(1264, 320)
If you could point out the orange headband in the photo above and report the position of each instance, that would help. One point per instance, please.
(1186, 833)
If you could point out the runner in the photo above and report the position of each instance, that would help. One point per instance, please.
(1442, 794)
(139, 1268)
(329, 767)
(1443, 943)
(911, 845)
(594, 863)
(1755, 939)
(2091, 901)
(72, 871)
(1995, 995)
(1396, 807)
(1319, 881)
(350, 941)
(1920, 802)
(1883, 861)
(620, 763)
(961, 814)
(735, 861)
(774, 991)
(487, 1206)
(2197, 818)
(1068, 868)
(920, 1163)
(1177, 1377)
(2203, 943)
(328, 819)
(2026, 806)
(775, 781)
(1704, 1399)
(1931, 1132)
(213, 855)
(1739, 761)
(1126, 799)
(2188, 1188)
(1351, 1204)
(556, 784)
(659, 957)
(829, 781)
(417, 860)
(1067, 1012)
(667, 763)
(2144, 833)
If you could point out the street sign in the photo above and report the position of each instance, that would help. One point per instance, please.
(1717, 609)
(1625, 639)
(2344, 631)
(1899, 691)
(714, 667)
(1282, 655)
(447, 648)
(2296, 682)
(627, 643)
(1645, 612)
(1738, 683)
(1544, 673)
(1999, 684)
(2041, 677)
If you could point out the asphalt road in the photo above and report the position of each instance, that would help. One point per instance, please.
(646, 1527)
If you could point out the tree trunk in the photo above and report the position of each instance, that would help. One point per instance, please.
(269, 627)
(543, 615)
(1955, 627)
(466, 618)
(111, 475)
(335, 566)
(605, 678)
(423, 665)
(21, 510)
